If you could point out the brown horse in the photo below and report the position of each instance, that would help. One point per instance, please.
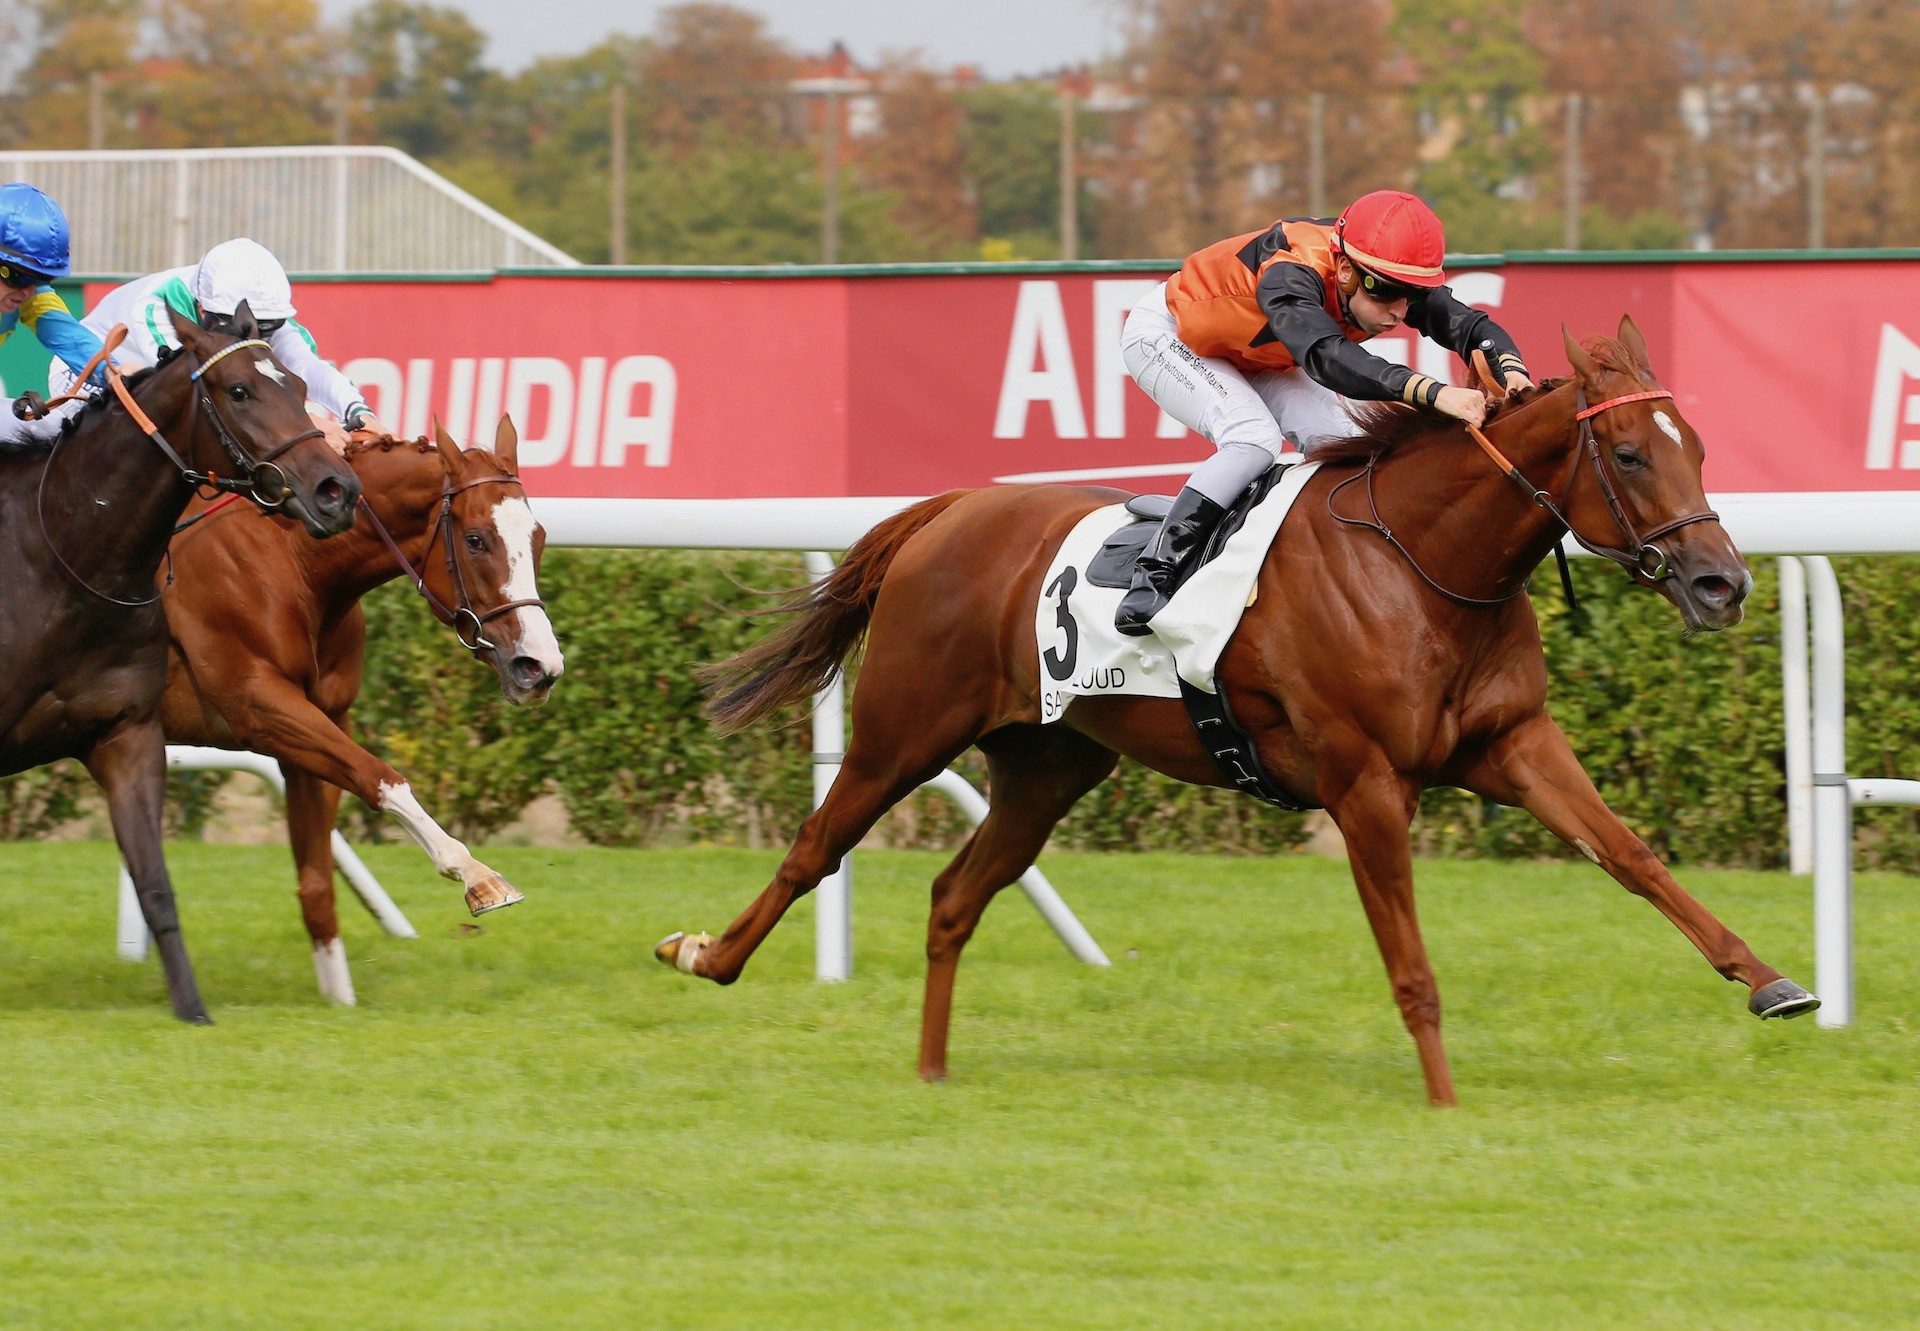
(83, 529)
(268, 641)
(1360, 678)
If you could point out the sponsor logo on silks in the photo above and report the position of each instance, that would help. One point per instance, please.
(1893, 429)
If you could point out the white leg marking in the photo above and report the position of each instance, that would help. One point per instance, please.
(1586, 850)
(513, 519)
(330, 968)
(452, 859)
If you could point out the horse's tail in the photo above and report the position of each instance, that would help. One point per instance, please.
(800, 658)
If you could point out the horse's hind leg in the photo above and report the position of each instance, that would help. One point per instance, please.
(883, 765)
(1035, 774)
(311, 807)
(131, 766)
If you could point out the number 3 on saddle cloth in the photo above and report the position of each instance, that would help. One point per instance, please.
(1082, 654)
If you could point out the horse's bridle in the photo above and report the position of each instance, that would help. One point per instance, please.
(251, 469)
(463, 617)
(1640, 557)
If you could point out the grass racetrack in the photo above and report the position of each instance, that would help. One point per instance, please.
(539, 1126)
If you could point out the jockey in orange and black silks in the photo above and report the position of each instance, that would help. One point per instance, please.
(33, 255)
(1255, 344)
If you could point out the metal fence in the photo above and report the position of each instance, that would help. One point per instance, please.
(319, 209)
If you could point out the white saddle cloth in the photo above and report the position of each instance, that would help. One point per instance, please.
(1082, 653)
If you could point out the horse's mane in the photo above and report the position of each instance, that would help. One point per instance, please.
(96, 404)
(1385, 426)
(385, 443)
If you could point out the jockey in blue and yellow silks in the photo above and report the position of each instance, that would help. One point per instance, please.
(33, 252)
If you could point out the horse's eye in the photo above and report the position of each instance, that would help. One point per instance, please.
(238, 392)
(1628, 459)
(476, 542)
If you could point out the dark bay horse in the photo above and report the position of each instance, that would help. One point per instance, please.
(83, 530)
(269, 640)
(1366, 668)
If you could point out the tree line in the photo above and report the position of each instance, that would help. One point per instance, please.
(1529, 124)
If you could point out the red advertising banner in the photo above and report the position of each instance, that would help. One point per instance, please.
(1800, 376)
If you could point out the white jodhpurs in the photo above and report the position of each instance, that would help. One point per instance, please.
(1253, 420)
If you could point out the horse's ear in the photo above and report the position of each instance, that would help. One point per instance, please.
(187, 331)
(244, 324)
(506, 444)
(1583, 364)
(1635, 344)
(449, 451)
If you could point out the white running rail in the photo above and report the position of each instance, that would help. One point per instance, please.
(321, 209)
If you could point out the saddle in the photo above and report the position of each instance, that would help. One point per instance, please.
(1113, 566)
(1220, 733)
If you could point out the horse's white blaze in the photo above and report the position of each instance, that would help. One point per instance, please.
(513, 519)
(452, 859)
(271, 370)
(1668, 428)
(330, 968)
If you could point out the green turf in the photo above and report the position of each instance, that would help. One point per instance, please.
(539, 1126)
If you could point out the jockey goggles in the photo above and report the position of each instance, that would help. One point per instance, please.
(223, 323)
(1382, 289)
(20, 279)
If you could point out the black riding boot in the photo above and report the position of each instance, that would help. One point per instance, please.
(1167, 558)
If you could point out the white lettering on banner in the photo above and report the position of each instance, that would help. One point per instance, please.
(653, 427)
(589, 419)
(543, 440)
(1896, 403)
(1039, 367)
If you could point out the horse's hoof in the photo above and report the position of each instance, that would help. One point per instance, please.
(1783, 998)
(682, 951)
(494, 893)
(197, 1019)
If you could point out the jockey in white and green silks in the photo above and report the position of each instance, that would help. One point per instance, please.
(208, 293)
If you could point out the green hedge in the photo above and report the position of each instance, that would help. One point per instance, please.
(1682, 734)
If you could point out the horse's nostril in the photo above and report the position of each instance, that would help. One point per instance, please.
(528, 673)
(1713, 589)
(330, 495)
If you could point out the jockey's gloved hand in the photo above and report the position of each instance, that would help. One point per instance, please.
(1463, 404)
(359, 420)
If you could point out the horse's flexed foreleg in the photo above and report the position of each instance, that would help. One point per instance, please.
(1533, 766)
(131, 766)
(1374, 810)
(283, 723)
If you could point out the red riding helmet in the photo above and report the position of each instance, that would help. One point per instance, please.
(1394, 235)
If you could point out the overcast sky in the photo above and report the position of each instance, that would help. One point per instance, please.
(1002, 37)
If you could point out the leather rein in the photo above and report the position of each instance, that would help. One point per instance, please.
(463, 617)
(251, 469)
(1640, 557)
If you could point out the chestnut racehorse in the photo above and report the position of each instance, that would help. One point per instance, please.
(83, 529)
(1366, 668)
(268, 640)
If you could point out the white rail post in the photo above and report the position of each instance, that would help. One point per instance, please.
(1832, 807)
(1796, 710)
(833, 898)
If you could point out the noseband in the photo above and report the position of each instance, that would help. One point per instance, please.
(250, 468)
(1640, 557)
(468, 624)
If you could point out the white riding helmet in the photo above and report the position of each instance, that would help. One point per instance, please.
(237, 270)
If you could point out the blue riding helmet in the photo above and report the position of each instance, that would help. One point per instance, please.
(33, 233)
